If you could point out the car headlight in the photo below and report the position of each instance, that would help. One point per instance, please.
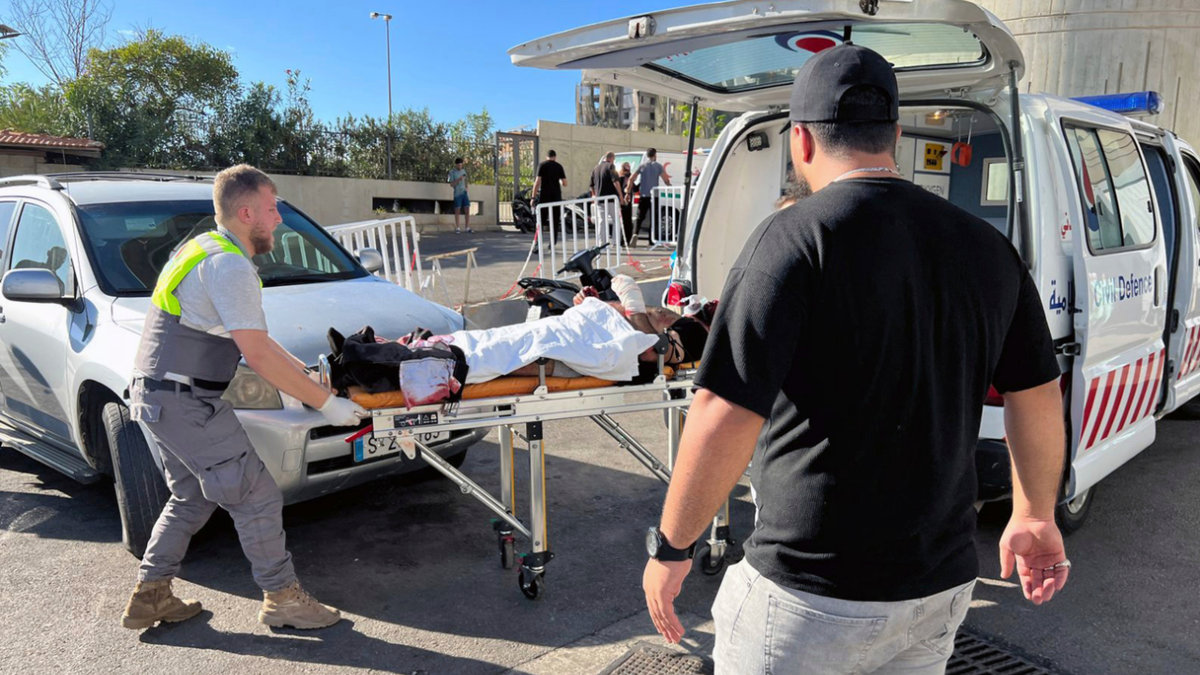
(249, 391)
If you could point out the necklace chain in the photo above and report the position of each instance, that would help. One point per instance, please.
(870, 169)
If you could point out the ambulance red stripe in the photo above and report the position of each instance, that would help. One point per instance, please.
(1116, 407)
(1133, 390)
(1162, 360)
(1112, 375)
(1087, 409)
(1137, 410)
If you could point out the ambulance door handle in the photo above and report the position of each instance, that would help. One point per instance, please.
(1158, 275)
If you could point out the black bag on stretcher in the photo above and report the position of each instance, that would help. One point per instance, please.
(425, 372)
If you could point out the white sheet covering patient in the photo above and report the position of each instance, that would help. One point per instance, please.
(591, 338)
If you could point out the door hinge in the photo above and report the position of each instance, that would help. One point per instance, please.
(641, 27)
(1069, 349)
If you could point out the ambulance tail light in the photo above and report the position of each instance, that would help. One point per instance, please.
(994, 398)
(1134, 104)
(676, 292)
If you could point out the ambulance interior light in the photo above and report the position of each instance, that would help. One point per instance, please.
(1134, 103)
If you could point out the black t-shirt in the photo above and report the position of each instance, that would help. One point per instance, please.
(551, 172)
(602, 179)
(866, 323)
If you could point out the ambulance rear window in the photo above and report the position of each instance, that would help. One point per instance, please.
(1115, 191)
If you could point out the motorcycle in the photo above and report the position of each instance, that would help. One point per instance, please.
(523, 216)
(551, 297)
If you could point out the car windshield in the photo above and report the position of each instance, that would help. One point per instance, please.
(130, 242)
(769, 60)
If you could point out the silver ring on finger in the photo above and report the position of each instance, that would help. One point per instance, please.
(1064, 564)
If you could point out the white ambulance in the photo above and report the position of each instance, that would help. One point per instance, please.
(1103, 208)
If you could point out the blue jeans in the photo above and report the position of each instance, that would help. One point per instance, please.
(462, 201)
(763, 627)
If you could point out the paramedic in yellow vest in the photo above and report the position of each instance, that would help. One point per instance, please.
(205, 316)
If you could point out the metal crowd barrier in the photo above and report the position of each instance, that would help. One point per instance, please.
(396, 239)
(667, 201)
(576, 225)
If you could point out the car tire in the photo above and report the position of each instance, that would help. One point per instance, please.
(141, 490)
(1071, 515)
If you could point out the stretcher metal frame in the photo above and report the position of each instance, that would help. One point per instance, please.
(533, 410)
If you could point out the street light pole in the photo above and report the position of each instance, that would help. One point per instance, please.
(387, 23)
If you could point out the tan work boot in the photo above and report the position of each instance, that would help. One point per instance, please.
(293, 606)
(153, 601)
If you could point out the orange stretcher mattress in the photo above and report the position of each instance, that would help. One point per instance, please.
(502, 386)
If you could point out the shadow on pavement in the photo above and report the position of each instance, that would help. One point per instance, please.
(339, 645)
(85, 513)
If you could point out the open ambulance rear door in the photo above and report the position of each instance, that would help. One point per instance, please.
(742, 56)
(1120, 294)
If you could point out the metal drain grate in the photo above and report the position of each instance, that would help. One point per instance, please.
(647, 659)
(974, 655)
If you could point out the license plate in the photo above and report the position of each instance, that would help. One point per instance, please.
(372, 446)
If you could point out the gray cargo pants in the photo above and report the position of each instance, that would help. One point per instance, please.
(762, 627)
(208, 461)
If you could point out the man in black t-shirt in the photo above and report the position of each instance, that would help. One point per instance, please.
(857, 336)
(550, 181)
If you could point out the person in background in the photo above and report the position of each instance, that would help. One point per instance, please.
(605, 182)
(462, 203)
(651, 173)
(858, 333)
(626, 179)
(548, 186)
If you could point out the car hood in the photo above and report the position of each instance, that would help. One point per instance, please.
(299, 317)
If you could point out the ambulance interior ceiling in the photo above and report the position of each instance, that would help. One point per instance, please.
(750, 182)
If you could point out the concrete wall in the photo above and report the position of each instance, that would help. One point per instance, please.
(19, 162)
(1084, 47)
(333, 201)
(580, 147)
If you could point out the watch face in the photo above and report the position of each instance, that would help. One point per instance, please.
(652, 542)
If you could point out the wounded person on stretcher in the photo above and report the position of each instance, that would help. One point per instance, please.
(613, 341)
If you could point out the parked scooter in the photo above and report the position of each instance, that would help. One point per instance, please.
(550, 297)
(523, 216)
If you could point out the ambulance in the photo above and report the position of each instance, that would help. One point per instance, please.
(1102, 207)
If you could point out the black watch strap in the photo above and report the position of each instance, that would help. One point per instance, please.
(667, 553)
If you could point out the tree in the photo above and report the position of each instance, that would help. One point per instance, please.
(149, 100)
(57, 35)
(40, 110)
(709, 122)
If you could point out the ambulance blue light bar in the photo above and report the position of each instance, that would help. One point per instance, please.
(1134, 103)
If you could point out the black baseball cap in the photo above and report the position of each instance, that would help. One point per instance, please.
(827, 77)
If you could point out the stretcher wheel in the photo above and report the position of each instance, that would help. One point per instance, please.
(709, 566)
(508, 554)
(533, 586)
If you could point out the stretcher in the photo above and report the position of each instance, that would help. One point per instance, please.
(519, 407)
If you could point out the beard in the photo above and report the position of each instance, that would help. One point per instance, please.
(795, 189)
(261, 240)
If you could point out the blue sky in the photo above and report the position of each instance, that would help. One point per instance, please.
(447, 56)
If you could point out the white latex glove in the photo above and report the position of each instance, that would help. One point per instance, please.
(342, 412)
(629, 293)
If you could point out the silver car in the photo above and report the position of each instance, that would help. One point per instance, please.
(81, 253)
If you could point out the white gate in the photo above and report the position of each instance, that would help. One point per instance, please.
(667, 201)
(396, 239)
(576, 225)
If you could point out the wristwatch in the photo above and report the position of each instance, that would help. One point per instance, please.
(659, 549)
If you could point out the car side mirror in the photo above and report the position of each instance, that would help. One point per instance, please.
(33, 285)
(371, 259)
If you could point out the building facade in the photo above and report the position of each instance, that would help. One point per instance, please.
(1087, 47)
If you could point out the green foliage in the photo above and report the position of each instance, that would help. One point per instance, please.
(41, 110)
(161, 101)
(709, 122)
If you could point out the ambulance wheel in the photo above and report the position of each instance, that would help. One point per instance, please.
(709, 566)
(1073, 514)
(141, 490)
(533, 586)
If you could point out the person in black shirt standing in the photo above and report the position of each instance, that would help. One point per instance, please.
(606, 182)
(857, 336)
(551, 179)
